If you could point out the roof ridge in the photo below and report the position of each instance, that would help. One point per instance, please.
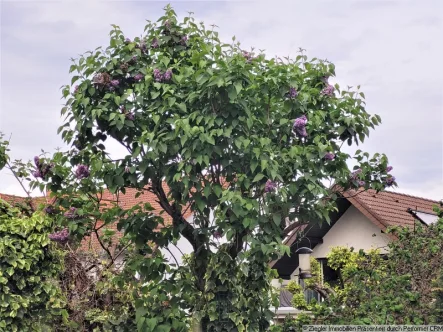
(10, 195)
(22, 197)
(411, 196)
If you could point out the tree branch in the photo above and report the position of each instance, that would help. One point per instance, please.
(103, 246)
(293, 226)
(18, 179)
(177, 218)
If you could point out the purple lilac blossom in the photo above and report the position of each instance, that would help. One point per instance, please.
(270, 186)
(217, 234)
(44, 170)
(49, 209)
(76, 89)
(139, 77)
(71, 214)
(130, 116)
(167, 75)
(158, 76)
(115, 83)
(60, 236)
(389, 168)
(37, 174)
(355, 174)
(183, 40)
(154, 43)
(300, 126)
(127, 40)
(292, 93)
(101, 79)
(390, 181)
(329, 156)
(361, 183)
(247, 56)
(328, 90)
(82, 172)
(41, 169)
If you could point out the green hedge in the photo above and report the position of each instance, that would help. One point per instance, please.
(30, 297)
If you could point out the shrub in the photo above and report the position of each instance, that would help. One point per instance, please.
(30, 296)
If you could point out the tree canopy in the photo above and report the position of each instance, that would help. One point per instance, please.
(246, 143)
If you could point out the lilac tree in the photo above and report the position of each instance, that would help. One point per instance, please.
(207, 127)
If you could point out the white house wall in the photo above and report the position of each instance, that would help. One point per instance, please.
(353, 229)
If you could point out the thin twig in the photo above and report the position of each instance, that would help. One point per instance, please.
(172, 256)
(18, 179)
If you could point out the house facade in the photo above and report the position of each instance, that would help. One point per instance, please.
(361, 223)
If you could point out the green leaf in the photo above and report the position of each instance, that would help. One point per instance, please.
(210, 140)
(151, 323)
(276, 218)
(182, 107)
(264, 164)
(232, 92)
(254, 165)
(171, 101)
(85, 101)
(258, 177)
(200, 204)
(238, 87)
(74, 79)
(217, 190)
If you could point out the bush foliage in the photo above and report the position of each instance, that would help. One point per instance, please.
(30, 296)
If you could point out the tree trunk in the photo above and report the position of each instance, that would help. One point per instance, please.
(196, 325)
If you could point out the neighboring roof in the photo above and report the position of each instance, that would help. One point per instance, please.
(14, 200)
(384, 209)
(387, 208)
(125, 201)
(129, 199)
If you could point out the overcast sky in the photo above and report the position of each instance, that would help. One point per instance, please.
(393, 49)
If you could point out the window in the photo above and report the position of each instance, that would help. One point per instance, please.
(309, 293)
(427, 218)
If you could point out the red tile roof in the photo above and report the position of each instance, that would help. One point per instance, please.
(14, 200)
(389, 208)
(125, 201)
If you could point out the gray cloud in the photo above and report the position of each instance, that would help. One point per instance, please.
(389, 47)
